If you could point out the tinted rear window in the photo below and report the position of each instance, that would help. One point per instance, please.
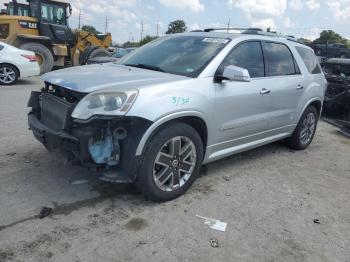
(278, 59)
(309, 59)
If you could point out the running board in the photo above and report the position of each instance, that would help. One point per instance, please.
(244, 147)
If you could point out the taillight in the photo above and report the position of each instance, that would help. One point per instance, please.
(31, 58)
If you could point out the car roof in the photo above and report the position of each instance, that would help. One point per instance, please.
(260, 36)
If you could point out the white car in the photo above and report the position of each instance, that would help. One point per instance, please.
(16, 63)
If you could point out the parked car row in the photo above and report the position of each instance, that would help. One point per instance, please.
(119, 53)
(331, 50)
(16, 63)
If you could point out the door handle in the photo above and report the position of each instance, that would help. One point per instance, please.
(299, 87)
(265, 91)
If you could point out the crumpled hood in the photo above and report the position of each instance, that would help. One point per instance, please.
(87, 79)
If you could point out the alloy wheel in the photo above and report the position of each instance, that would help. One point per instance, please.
(7, 75)
(174, 163)
(308, 128)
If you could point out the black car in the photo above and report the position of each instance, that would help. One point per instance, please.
(333, 50)
(113, 58)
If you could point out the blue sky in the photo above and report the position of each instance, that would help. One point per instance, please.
(295, 17)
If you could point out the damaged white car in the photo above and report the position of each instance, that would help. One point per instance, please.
(154, 117)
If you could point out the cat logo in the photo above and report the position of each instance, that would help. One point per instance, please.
(28, 25)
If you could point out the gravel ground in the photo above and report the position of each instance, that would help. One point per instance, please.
(270, 198)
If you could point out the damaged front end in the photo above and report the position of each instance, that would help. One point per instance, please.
(101, 142)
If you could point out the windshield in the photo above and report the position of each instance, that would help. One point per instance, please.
(181, 55)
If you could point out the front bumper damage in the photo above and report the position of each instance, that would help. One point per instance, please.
(101, 143)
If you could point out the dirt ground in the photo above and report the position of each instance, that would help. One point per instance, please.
(280, 205)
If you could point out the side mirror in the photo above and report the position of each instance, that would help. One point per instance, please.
(234, 73)
(70, 11)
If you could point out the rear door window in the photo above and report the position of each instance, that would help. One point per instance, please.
(310, 60)
(247, 55)
(279, 60)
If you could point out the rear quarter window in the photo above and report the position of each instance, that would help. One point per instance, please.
(1, 47)
(309, 59)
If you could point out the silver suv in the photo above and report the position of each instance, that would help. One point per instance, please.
(154, 117)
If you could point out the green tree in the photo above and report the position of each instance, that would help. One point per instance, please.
(147, 39)
(305, 41)
(177, 26)
(130, 44)
(90, 29)
(329, 36)
(144, 41)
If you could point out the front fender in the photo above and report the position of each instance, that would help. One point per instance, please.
(162, 121)
(165, 102)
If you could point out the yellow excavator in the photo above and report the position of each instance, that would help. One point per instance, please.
(42, 26)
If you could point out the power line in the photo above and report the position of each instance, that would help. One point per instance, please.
(141, 30)
(106, 25)
(80, 18)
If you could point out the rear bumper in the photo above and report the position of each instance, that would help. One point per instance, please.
(29, 69)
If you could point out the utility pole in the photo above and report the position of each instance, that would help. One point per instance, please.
(141, 30)
(129, 37)
(80, 16)
(106, 25)
(157, 29)
(228, 25)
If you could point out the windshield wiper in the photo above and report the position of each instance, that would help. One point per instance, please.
(144, 66)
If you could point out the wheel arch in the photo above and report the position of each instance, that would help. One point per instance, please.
(22, 39)
(47, 44)
(193, 119)
(316, 102)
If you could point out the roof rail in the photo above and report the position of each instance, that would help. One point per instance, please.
(231, 29)
(253, 31)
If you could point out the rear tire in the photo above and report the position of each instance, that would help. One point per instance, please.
(44, 55)
(305, 130)
(179, 150)
(8, 74)
(92, 52)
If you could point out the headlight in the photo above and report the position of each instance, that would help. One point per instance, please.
(105, 103)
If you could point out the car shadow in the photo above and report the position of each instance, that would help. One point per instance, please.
(59, 191)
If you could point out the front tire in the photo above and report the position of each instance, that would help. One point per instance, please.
(8, 74)
(305, 130)
(171, 162)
